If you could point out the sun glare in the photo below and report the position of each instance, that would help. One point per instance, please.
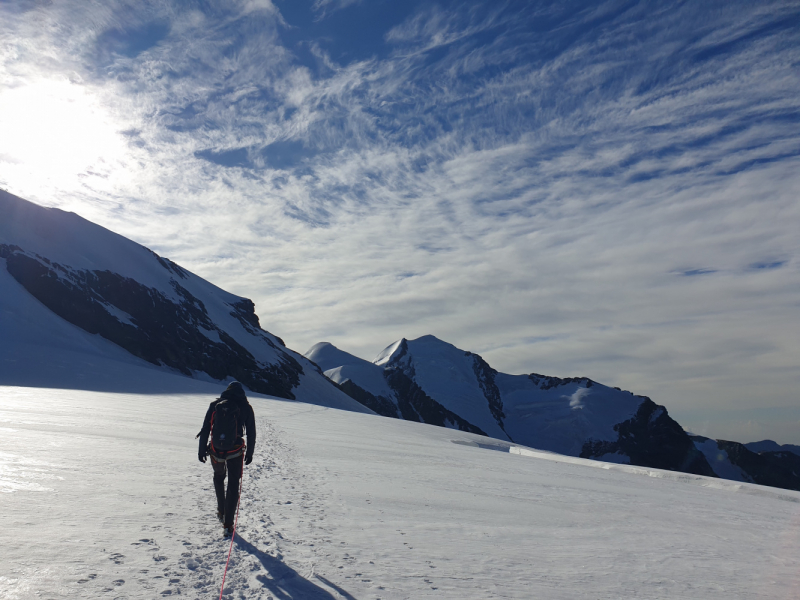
(53, 131)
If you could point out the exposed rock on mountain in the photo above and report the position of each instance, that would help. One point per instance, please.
(434, 382)
(733, 460)
(150, 325)
(390, 391)
(108, 285)
(651, 438)
(69, 284)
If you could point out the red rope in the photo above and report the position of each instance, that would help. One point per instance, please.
(233, 533)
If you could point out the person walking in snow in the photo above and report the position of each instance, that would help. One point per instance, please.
(228, 419)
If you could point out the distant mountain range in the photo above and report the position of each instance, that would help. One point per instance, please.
(431, 381)
(770, 446)
(56, 267)
(434, 382)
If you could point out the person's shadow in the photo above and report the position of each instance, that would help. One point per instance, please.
(285, 583)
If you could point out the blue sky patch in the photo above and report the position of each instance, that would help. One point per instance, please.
(545, 165)
(696, 272)
(768, 265)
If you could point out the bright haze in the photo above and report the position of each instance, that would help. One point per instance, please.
(607, 190)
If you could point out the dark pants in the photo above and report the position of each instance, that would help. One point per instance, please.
(226, 503)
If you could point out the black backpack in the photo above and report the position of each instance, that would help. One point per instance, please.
(225, 425)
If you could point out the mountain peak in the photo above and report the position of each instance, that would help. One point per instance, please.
(326, 356)
(392, 353)
(90, 281)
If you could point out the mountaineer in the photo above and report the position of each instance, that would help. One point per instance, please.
(228, 419)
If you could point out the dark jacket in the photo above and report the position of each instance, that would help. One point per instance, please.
(246, 426)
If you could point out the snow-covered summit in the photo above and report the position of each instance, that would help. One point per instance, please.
(345, 369)
(432, 381)
(106, 285)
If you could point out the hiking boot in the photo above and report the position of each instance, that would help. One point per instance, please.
(227, 531)
(221, 516)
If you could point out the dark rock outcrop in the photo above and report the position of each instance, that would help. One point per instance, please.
(416, 405)
(486, 375)
(379, 404)
(545, 382)
(777, 469)
(653, 439)
(149, 324)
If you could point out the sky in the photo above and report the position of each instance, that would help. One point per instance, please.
(599, 189)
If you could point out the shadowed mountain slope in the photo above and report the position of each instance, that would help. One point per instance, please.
(57, 267)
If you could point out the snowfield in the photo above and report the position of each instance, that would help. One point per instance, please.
(103, 497)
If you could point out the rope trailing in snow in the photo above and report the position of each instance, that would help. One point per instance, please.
(233, 533)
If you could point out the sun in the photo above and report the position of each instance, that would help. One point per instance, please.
(53, 132)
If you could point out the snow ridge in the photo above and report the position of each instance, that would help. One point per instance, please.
(434, 382)
(437, 383)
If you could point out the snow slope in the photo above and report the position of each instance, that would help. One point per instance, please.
(447, 374)
(432, 381)
(346, 369)
(103, 497)
(69, 288)
(561, 418)
(720, 461)
(340, 366)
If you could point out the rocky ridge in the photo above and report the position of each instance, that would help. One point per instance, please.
(431, 381)
(159, 312)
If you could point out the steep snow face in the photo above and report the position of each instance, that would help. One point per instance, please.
(388, 353)
(561, 415)
(340, 366)
(435, 382)
(446, 374)
(720, 462)
(358, 378)
(105, 284)
(82, 245)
